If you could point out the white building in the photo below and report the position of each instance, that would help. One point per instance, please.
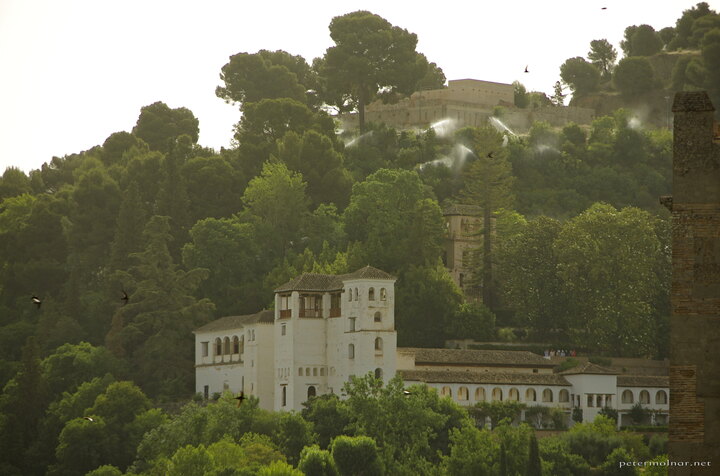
(326, 328)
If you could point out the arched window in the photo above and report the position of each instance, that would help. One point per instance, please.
(547, 395)
(236, 345)
(349, 294)
(311, 392)
(480, 394)
(322, 371)
(564, 396)
(627, 397)
(514, 395)
(645, 397)
(383, 294)
(218, 346)
(530, 395)
(378, 373)
(284, 395)
(463, 393)
(446, 392)
(661, 397)
(226, 345)
(371, 294)
(378, 344)
(497, 394)
(314, 371)
(356, 294)
(351, 351)
(307, 371)
(378, 317)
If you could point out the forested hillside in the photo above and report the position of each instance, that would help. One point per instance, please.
(110, 257)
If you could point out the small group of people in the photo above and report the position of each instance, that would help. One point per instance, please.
(559, 353)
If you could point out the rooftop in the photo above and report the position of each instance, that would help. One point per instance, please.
(457, 376)
(643, 381)
(234, 322)
(588, 368)
(514, 358)
(692, 101)
(330, 282)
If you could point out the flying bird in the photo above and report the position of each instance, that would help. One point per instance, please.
(88, 418)
(37, 301)
(125, 298)
(603, 8)
(240, 398)
(526, 69)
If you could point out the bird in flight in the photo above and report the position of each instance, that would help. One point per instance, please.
(125, 298)
(88, 419)
(240, 398)
(603, 8)
(37, 301)
(526, 69)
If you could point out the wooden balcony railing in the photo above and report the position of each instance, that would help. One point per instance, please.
(285, 313)
(310, 312)
(334, 312)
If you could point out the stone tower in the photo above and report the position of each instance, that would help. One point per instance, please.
(695, 296)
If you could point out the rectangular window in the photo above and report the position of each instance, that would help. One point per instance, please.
(352, 324)
(206, 391)
(204, 347)
(589, 400)
(282, 330)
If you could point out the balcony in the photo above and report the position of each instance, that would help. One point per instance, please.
(285, 313)
(334, 312)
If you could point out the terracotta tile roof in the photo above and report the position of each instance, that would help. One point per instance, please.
(368, 272)
(458, 376)
(463, 210)
(642, 381)
(692, 101)
(588, 368)
(329, 282)
(312, 282)
(235, 322)
(514, 358)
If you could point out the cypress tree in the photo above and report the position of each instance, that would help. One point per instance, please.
(534, 467)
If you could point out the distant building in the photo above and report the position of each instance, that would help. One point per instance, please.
(467, 102)
(463, 224)
(326, 329)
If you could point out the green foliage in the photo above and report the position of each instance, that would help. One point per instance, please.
(633, 76)
(369, 54)
(601, 259)
(602, 54)
(472, 451)
(471, 321)
(426, 298)
(154, 330)
(251, 77)
(658, 445)
(329, 416)
(638, 413)
(292, 435)
(279, 468)
(356, 456)
(392, 222)
(497, 411)
(534, 467)
(558, 460)
(105, 470)
(567, 364)
(641, 40)
(580, 76)
(317, 462)
(520, 97)
(609, 412)
(612, 467)
(159, 126)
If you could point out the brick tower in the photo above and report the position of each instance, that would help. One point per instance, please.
(695, 296)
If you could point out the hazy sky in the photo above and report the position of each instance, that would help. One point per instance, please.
(72, 72)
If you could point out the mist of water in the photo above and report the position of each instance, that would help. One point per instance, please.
(459, 156)
(355, 140)
(500, 126)
(444, 127)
